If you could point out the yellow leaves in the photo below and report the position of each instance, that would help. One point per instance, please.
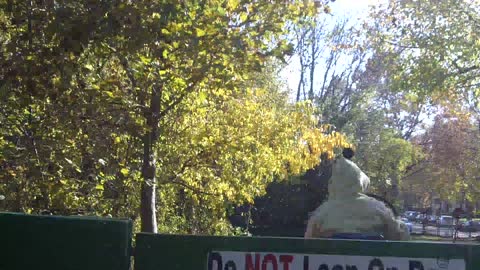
(69, 161)
(200, 32)
(165, 31)
(311, 141)
(165, 54)
(145, 60)
(243, 16)
(12, 172)
(88, 66)
(233, 4)
(162, 72)
(239, 143)
(202, 96)
(109, 94)
(124, 171)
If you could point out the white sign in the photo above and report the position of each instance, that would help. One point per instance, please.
(234, 260)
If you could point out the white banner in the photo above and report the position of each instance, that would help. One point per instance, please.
(234, 260)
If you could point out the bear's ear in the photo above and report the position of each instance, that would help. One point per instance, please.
(348, 153)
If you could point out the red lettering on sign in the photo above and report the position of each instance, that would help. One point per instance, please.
(249, 262)
(269, 258)
(286, 260)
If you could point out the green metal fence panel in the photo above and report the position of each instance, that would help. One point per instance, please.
(64, 243)
(265, 253)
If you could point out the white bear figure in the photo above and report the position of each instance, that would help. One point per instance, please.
(349, 210)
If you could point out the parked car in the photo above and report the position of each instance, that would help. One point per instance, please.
(421, 218)
(409, 224)
(410, 215)
(470, 226)
(445, 221)
(432, 220)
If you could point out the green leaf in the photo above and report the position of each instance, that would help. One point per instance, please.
(221, 11)
(99, 187)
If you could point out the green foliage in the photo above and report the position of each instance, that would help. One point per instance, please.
(382, 153)
(431, 47)
(429, 50)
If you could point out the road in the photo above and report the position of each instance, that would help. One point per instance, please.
(445, 232)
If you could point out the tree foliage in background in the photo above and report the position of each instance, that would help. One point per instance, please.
(428, 51)
(383, 155)
(385, 87)
(430, 47)
(453, 150)
(350, 90)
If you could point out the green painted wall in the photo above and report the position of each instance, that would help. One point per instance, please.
(64, 243)
(71, 243)
(191, 252)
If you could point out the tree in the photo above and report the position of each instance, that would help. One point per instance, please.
(430, 46)
(150, 97)
(405, 111)
(332, 60)
(351, 91)
(428, 52)
(381, 152)
(182, 54)
(453, 151)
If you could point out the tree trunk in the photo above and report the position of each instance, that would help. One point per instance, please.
(147, 201)
(313, 62)
(148, 213)
(301, 83)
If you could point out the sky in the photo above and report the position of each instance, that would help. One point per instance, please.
(355, 9)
